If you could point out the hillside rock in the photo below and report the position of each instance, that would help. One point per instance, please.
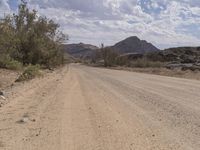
(185, 54)
(80, 50)
(134, 45)
(186, 58)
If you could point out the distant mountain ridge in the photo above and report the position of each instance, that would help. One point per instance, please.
(130, 45)
(80, 50)
(134, 45)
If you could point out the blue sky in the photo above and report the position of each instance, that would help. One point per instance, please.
(13, 4)
(165, 23)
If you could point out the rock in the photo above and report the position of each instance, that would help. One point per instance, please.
(187, 59)
(197, 64)
(23, 120)
(178, 65)
(1, 96)
(192, 68)
(34, 120)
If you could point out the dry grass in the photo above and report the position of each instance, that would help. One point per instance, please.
(29, 73)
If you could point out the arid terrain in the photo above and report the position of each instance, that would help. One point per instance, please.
(187, 74)
(84, 108)
(7, 77)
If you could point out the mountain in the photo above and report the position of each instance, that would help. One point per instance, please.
(130, 46)
(80, 50)
(134, 45)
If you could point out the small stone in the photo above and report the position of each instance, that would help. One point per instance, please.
(131, 144)
(1, 96)
(23, 120)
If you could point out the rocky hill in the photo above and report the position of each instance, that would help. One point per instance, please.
(134, 45)
(178, 54)
(80, 50)
(130, 45)
(178, 57)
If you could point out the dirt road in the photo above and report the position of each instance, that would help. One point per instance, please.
(84, 108)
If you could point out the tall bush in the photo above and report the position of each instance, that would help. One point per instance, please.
(31, 39)
(109, 56)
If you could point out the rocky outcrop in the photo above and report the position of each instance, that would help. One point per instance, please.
(134, 45)
(80, 50)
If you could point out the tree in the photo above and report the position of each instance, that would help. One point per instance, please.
(109, 56)
(31, 39)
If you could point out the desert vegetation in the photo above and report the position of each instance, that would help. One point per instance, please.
(109, 57)
(29, 72)
(29, 39)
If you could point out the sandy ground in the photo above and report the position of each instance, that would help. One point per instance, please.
(85, 108)
(7, 77)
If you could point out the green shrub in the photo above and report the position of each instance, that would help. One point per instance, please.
(14, 65)
(29, 73)
(31, 39)
(8, 63)
(109, 56)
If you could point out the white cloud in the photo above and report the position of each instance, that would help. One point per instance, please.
(162, 22)
(4, 8)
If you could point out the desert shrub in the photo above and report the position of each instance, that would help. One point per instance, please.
(14, 65)
(154, 56)
(9, 63)
(31, 39)
(122, 61)
(29, 73)
(109, 56)
(144, 63)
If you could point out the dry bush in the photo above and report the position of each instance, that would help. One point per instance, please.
(29, 73)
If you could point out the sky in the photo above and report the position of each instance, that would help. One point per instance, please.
(164, 23)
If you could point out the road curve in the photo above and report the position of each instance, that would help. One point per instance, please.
(85, 108)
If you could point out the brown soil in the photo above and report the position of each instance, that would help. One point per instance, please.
(85, 108)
